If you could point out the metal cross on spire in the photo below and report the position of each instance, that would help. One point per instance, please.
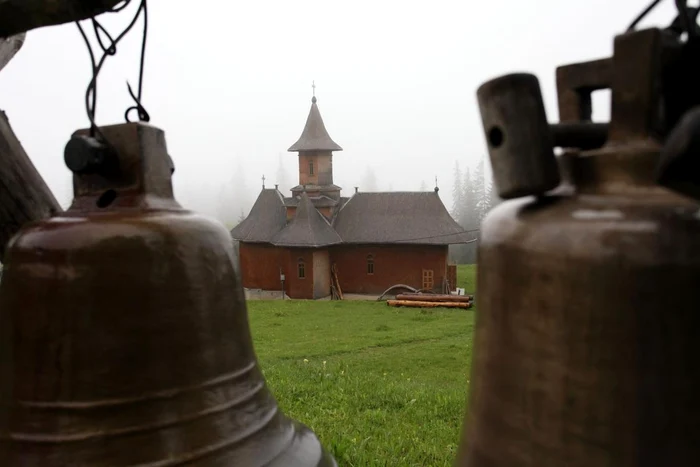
(263, 180)
(313, 87)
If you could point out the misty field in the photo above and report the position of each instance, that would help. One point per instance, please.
(380, 386)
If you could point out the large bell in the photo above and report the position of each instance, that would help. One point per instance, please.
(586, 340)
(124, 337)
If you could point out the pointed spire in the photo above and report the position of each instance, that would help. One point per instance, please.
(315, 137)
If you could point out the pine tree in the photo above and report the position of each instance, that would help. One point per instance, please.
(482, 198)
(457, 192)
(282, 175)
(370, 181)
(467, 214)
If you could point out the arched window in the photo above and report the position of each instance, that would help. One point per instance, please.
(301, 272)
(370, 264)
(311, 167)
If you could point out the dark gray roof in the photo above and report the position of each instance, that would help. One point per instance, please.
(308, 228)
(266, 218)
(330, 187)
(315, 137)
(398, 217)
(341, 203)
(317, 201)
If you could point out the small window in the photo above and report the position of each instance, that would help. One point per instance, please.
(301, 269)
(311, 167)
(427, 279)
(370, 264)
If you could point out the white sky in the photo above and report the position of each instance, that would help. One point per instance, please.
(230, 83)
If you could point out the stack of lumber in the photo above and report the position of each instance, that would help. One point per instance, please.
(421, 300)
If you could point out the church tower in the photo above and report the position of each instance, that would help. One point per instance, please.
(315, 148)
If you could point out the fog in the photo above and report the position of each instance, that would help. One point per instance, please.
(230, 83)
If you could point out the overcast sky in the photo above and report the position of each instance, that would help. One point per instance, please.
(230, 83)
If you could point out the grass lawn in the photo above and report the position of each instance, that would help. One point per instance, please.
(380, 386)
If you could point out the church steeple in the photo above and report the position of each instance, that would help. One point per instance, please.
(315, 137)
(315, 148)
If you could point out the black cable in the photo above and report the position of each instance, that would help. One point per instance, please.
(643, 15)
(111, 49)
(142, 113)
(684, 17)
(687, 17)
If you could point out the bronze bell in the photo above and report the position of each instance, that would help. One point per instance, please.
(124, 337)
(586, 339)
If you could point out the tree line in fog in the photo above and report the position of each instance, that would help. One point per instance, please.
(473, 196)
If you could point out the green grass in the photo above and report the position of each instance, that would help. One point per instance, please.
(380, 386)
(466, 277)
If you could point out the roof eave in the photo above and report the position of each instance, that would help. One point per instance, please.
(299, 146)
(302, 245)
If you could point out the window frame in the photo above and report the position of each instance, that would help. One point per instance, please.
(311, 167)
(428, 279)
(301, 269)
(370, 264)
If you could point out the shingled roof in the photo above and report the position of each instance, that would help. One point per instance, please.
(315, 137)
(398, 217)
(266, 218)
(318, 201)
(308, 228)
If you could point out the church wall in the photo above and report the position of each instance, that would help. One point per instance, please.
(323, 168)
(392, 264)
(326, 211)
(322, 274)
(291, 212)
(261, 263)
(295, 286)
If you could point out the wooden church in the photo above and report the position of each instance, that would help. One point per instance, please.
(369, 241)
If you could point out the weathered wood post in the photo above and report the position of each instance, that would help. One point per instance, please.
(24, 195)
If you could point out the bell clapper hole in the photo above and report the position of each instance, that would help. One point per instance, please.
(601, 102)
(106, 199)
(495, 137)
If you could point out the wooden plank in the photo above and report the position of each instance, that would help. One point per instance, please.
(334, 275)
(17, 16)
(413, 304)
(24, 196)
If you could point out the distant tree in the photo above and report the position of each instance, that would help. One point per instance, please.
(224, 212)
(423, 186)
(457, 192)
(369, 182)
(482, 196)
(282, 176)
(467, 216)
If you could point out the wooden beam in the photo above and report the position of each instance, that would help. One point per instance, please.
(411, 304)
(17, 16)
(24, 196)
(9, 48)
(434, 298)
